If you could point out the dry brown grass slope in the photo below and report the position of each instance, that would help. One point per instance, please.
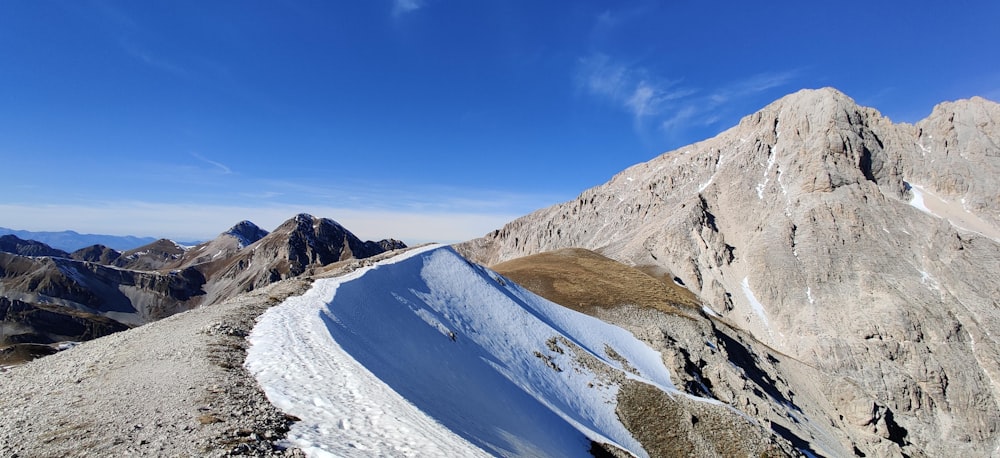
(582, 280)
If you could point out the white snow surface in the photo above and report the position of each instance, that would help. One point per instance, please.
(757, 307)
(767, 172)
(917, 201)
(427, 354)
(956, 214)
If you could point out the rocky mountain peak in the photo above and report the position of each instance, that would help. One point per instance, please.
(153, 256)
(97, 253)
(977, 111)
(320, 241)
(303, 218)
(246, 233)
(816, 141)
(832, 235)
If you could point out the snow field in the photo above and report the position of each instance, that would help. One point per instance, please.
(427, 354)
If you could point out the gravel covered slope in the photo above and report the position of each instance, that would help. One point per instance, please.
(176, 387)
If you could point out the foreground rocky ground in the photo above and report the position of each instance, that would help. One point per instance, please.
(176, 387)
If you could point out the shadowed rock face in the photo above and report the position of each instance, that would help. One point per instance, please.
(246, 233)
(101, 291)
(306, 240)
(130, 297)
(390, 244)
(23, 322)
(13, 244)
(865, 249)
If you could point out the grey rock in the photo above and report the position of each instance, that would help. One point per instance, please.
(798, 227)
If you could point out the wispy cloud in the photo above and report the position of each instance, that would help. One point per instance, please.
(679, 117)
(612, 19)
(223, 168)
(751, 85)
(668, 103)
(128, 33)
(401, 7)
(714, 106)
(156, 62)
(631, 88)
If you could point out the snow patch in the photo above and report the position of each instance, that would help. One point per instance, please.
(66, 345)
(767, 172)
(757, 307)
(956, 215)
(917, 201)
(928, 280)
(923, 149)
(809, 295)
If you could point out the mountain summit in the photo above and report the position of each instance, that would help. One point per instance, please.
(246, 233)
(866, 249)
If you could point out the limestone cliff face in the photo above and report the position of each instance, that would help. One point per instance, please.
(867, 250)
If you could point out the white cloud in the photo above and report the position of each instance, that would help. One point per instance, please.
(672, 106)
(401, 7)
(200, 222)
(222, 167)
(716, 105)
(679, 118)
(153, 61)
(632, 88)
(751, 85)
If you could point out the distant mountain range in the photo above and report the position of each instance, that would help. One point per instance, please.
(48, 295)
(72, 241)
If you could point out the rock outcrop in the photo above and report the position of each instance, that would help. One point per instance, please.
(865, 250)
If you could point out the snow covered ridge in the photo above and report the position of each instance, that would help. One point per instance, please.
(427, 354)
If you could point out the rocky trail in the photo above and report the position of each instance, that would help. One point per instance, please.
(176, 387)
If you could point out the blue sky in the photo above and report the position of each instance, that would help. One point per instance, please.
(420, 119)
